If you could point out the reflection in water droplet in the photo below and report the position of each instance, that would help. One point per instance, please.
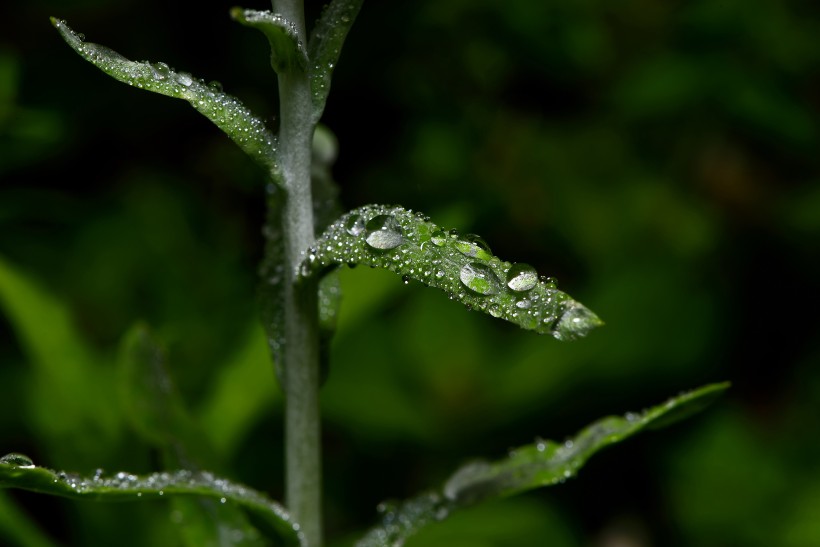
(479, 278)
(162, 70)
(438, 238)
(17, 460)
(522, 277)
(383, 233)
(495, 310)
(473, 246)
(354, 225)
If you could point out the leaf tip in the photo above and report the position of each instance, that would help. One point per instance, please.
(575, 322)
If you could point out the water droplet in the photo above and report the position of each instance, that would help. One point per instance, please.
(438, 238)
(523, 304)
(473, 246)
(405, 279)
(479, 278)
(495, 310)
(551, 282)
(17, 460)
(184, 78)
(222, 500)
(522, 277)
(354, 225)
(162, 70)
(215, 86)
(383, 233)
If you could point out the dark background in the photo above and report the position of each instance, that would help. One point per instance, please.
(659, 158)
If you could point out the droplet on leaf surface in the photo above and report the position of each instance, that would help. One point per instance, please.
(17, 460)
(522, 277)
(479, 278)
(473, 246)
(383, 233)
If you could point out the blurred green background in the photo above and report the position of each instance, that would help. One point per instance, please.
(659, 158)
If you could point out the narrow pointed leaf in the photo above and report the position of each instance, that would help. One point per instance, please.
(544, 463)
(17, 473)
(227, 112)
(410, 245)
(287, 52)
(325, 45)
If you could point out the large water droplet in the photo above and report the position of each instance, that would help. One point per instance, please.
(17, 460)
(479, 278)
(354, 225)
(162, 70)
(383, 233)
(522, 277)
(184, 78)
(438, 238)
(473, 246)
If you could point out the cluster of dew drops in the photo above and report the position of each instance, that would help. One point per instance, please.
(462, 265)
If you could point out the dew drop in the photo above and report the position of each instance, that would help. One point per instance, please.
(473, 246)
(479, 278)
(522, 277)
(523, 304)
(405, 279)
(18, 460)
(215, 86)
(184, 78)
(551, 282)
(383, 233)
(495, 310)
(162, 70)
(438, 238)
(354, 225)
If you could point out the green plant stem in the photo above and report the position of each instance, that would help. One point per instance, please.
(301, 351)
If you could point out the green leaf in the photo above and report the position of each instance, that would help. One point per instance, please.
(533, 466)
(287, 52)
(227, 112)
(410, 245)
(127, 487)
(325, 46)
(159, 415)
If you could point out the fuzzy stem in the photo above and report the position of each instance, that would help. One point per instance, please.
(303, 475)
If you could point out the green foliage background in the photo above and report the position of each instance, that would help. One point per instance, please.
(660, 159)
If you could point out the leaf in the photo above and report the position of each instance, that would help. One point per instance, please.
(325, 46)
(410, 245)
(227, 112)
(533, 466)
(159, 415)
(127, 487)
(287, 52)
